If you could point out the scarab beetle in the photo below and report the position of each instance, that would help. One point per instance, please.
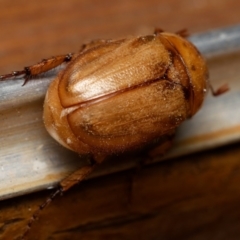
(117, 95)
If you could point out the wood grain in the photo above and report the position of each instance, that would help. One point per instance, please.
(32, 30)
(194, 197)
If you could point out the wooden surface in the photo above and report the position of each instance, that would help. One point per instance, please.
(191, 198)
(194, 197)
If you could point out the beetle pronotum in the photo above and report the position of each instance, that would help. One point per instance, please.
(118, 95)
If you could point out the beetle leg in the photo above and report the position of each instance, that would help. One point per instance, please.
(36, 214)
(70, 181)
(66, 184)
(162, 147)
(36, 69)
(80, 174)
(76, 177)
(158, 30)
(183, 33)
(224, 88)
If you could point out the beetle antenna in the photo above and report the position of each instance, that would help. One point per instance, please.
(70, 181)
(224, 88)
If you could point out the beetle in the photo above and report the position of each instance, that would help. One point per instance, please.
(115, 96)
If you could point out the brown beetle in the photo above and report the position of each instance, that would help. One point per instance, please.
(118, 95)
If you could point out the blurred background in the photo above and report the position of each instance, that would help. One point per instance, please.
(32, 30)
(194, 199)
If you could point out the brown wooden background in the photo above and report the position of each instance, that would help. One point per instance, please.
(195, 197)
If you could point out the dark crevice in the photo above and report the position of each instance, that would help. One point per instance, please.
(109, 223)
(8, 223)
